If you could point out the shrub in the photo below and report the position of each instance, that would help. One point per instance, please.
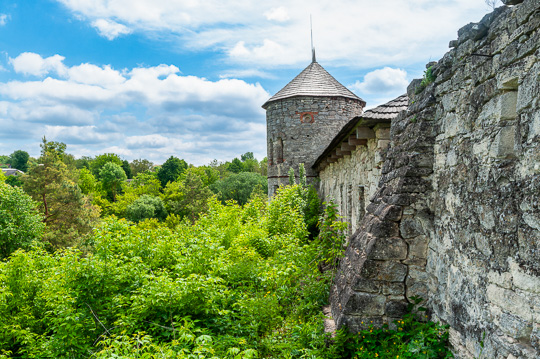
(20, 221)
(146, 207)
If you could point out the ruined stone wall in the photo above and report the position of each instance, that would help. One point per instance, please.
(352, 180)
(456, 216)
(299, 129)
(484, 257)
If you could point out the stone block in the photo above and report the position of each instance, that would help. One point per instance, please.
(418, 247)
(389, 271)
(410, 228)
(510, 301)
(396, 309)
(503, 144)
(523, 280)
(514, 326)
(383, 144)
(388, 212)
(507, 103)
(383, 133)
(382, 229)
(393, 288)
(388, 248)
(365, 304)
(366, 285)
(364, 132)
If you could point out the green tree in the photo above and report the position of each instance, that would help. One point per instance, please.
(97, 163)
(4, 161)
(20, 221)
(146, 207)
(236, 166)
(127, 169)
(2, 177)
(14, 181)
(247, 156)
(67, 212)
(189, 196)
(19, 160)
(83, 162)
(87, 182)
(239, 187)
(140, 166)
(112, 176)
(171, 170)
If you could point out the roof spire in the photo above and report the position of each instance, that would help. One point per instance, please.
(313, 59)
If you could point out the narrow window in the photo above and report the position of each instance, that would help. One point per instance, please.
(279, 150)
(349, 207)
(361, 204)
(270, 152)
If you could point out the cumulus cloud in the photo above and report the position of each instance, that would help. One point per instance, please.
(110, 29)
(29, 63)
(246, 73)
(382, 81)
(390, 31)
(279, 14)
(149, 112)
(3, 19)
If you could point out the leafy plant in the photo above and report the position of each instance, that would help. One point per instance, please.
(427, 79)
(411, 337)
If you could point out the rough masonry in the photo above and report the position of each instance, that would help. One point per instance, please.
(455, 217)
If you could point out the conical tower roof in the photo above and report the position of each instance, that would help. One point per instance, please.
(314, 81)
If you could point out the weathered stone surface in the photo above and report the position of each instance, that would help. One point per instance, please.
(388, 248)
(461, 180)
(365, 304)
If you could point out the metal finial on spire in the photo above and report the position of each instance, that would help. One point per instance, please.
(313, 59)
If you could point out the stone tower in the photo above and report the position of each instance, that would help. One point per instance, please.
(302, 119)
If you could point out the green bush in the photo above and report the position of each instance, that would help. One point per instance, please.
(239, 187)
(146, 207)
(20, 221)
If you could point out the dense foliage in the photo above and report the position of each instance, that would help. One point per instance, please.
(222, 287)
(20, 222)
(203, 267)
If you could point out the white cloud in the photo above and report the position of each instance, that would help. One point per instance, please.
(279, 14)
(246, 73)
(110, 29)
(147, 141)
(92, 108)
(3, 19)
(78, 134)
(382, 81)
(95, 75)
(29, 63)
(361, 33)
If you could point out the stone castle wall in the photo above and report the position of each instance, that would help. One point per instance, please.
(456, 215)
(295, 137)
(351, 181)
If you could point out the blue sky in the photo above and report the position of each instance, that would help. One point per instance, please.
(155, 78)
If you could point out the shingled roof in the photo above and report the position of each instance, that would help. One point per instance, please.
(389, 110)
(313, 81)
(380, 114)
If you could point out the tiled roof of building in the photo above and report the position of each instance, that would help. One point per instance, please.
(380, 114)
(313, 81)
(389, 110)
(12, 172)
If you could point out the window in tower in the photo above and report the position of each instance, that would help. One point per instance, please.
(278, 150)
(270, 152)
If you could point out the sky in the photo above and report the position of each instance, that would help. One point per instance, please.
(187, 78)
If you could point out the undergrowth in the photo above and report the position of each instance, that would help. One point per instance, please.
(241, 282)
